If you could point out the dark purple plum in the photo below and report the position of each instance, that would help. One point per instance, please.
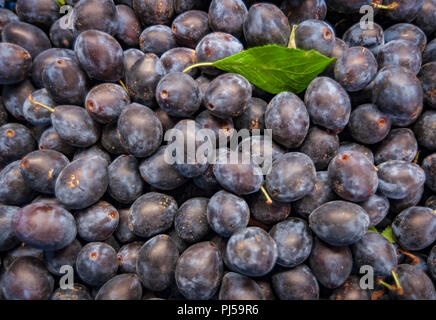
(78, 292)
(425, 18)
(111, 140)
(199, 271)
(129, 27)
(377, 208)
(82, 183)
(298, 283)
(156, 262)
(373, 38)
(153, 12)
(8, 240)
(7, 16)
(128, 256)
(14, 97)
(321, 146)
(266, 213)
(253, 118)
(425, 130)
(429, 166)
(190, 222)
(315, 34)
(123, 233)
(60, 37)
(190, 27)
(16, 141)
(15, 63)
(415, 283)
(178, 59)
(235, 286)
(428, 79)
(400, 144)
(252, 252)
(431, 262)
(298, 11)
(287, 117)
(339, 223)
(95, 15)
(54, 260)
(44, 226)
(94, 150)
(220, 127)
(14, 190)
(125, 183)
(50, 140)
(35, 114)
(351, 290)
(227, 213)
(408, 32)
(151, 214)
(121, 287)
(157, 39)
(407, 10)
(227, 16)
(400, 53)
(96, 263)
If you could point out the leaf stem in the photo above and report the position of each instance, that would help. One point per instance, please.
(391, 6)
(39, 104)
(292, 43)
(200, 64)
(397, 283)
(265, 193)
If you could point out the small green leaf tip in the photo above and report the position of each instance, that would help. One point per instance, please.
(61, 3)
(373, 229)
(388, 234)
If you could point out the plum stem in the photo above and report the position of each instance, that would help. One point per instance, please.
(39, 104)
(415, 161)
(265, 193)
(391, 6)
(387, 285)
(415, 259)
(123, 85)
(196, 65)
(292, 43)
(397, 283)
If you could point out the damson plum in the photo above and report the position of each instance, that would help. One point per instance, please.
(315, 34)
(415, 283)
(190, 221)
(8, 240)
(371, 38)
(157, 172)
(220, 127)
(130, 58)
(330, 265)
(298, 283)
(154, 11)
(78, 292)
(95, 14)
(398, 93)
(375, 251)
(252, 252)
(65, 82)
(151, 214)
(339, 223)
(129, 27)
(60, 37)
(425, 17)
(399, 179)
(294, 241)
(44, 226)
(41, 168)
(105, 102)
(128, 256)
(227, 213)
(27, 36)
(298, 11)
(35, 114)
(429, 54)
(262, 150)
(377, 207)
(7, 16)
(227, 95)
(14, 190)
(121, 287)
(14, 97)
(355, 68)
(75, 126)
(143, 78)
(125, 183)
(190, 27)
(27, 279)
(94, 150)
(400, 53)
(425, 130)
(431, 262)
(178, 94)
(123, 233)
(100, 55)
(276, 31)
(235, 286)
(398, 205)
(352, 176)
(227, 16)
(96, 263)
(321, 146)
(199, 271)
(156, 262)
(368, 125)
(16, 141)
(185, 5)
(320, 194)
(50, 139)
(98, 222)
(54, 260)
(82, 183)
(408, 32)
(292, 177)
(241, 177)
(407, 10)
(253, 118)
(351, 290)
(216, 46)
(428, 79)
(178, 59)
(287, 117)
(415, 228)
(140, 130)
(157, 39)
(429, 166)
(15, 63)
(207, 181)
(400, 144)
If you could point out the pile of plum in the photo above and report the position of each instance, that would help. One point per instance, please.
(90, 207)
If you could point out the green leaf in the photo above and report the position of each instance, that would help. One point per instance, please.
(373, 229)
(388, 234)
(61, 3)
(274, 68)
